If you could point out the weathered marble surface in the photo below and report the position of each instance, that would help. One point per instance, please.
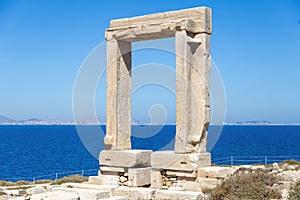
(118, 88)
(192, 92)
(192, 29)
(160, 25)
(181, 162)
(125, 158)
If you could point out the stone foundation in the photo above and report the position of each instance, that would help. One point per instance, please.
(177, 171)
(125, 158)
(175, 185)
(124, 168)
(179, 162)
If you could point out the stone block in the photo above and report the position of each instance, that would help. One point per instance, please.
(181, 162)
(189, 185)
(160, 25)
(61, 195)
(125, 158)
(36, 190)
(116, 198)
(177, 195)
(113, 169)
(207, 183)
(156, 179)
(104, 180)
(12, 192)
(214, 172)
(192, 92)
(139, 176)
(201, 14)
(85, 193)
(87, 186)
(135, 193)
(118, 87)
(192, 174)
(101, 194)
(6, 197)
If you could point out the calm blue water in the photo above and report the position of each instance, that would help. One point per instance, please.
(43, 151)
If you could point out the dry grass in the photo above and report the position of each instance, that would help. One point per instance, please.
(70, 179)
(20, 187)
(43, 181)
(247, 186)
(11, 184)
(294, 192)
(21, 183)
(6, 183)
(290, 162)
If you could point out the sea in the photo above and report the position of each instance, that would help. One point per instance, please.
(35, 152)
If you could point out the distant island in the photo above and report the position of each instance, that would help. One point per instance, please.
(247, 123)
(8, 121)
(252, 123)
(34, 121)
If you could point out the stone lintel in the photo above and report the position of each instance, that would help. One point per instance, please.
(155, 31)
(135, 34)
(125, 158)
(202, 14)
(160, 25)
(169, 160)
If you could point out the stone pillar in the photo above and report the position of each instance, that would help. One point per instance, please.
(192, 91)
(118, 106)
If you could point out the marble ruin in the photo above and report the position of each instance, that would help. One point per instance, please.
(121, 165)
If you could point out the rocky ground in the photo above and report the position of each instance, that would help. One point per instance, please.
(287, 172)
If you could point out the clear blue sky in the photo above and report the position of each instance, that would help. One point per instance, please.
(255, 44)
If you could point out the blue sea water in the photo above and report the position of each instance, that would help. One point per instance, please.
(43, 151)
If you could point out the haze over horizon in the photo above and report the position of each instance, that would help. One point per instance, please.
(254, 44)
(4, 120)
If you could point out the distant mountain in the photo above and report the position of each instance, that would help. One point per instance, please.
(250, 123)
(4, 119)
(34, 121)
(30, 120)
(255, 123)
(7, 121)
